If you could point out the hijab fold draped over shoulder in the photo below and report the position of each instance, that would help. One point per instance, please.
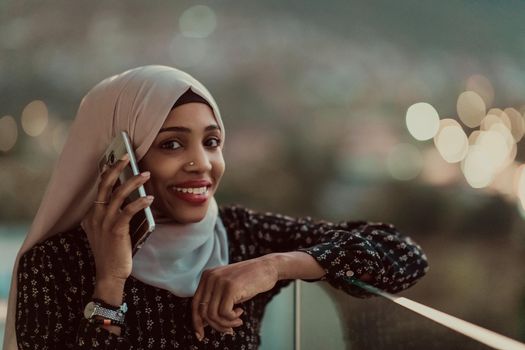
(137, 101)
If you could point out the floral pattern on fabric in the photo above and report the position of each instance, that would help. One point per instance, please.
(56, 280)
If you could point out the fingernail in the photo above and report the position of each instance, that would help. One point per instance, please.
(125, 157)
(199, 337)
(145, 174)
(230, 332)
(150, 198)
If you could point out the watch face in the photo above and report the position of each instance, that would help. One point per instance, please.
(89, 310)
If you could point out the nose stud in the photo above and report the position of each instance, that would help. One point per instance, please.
(191, 163)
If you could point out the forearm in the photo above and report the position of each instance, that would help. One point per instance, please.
(295, 265)
(300, 265)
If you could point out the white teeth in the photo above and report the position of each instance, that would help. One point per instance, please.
(196, 190)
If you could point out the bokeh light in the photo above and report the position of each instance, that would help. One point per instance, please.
(521, 185)
(436, 171)
(404, 162)
(35, 118)
(495, 148)
(504, 182)
(8, 133)
(471, 108)
(489, 120)
(482, 86)
(187, 52)
(59, 136)
(473, 137)
(451, 141)
(521, 210)
(487, 155)
(507, 137)
(198, 22)
(477, 168)
(422, 121)
(500, 114)
(517, 123)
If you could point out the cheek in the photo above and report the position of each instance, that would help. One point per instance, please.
(161, 171)
(162, 168)
(218, 167)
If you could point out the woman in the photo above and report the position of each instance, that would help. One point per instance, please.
(204, 276)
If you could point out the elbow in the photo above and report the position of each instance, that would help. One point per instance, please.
(410, 271)
(419, 261)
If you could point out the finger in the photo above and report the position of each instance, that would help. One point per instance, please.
(110, 176)
(214, 286)
(203, 312)
(238, 311)
(120, 195)
(200, 305)
(218, 290)
(131, 209)
(107, 181)
(230, 317)
(105, 167)
(219, 327)
(204, 304)
(226, 311)
(198, 325)
(207, 299)
(198, 321)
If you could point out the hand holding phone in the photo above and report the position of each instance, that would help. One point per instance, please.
(142, 223)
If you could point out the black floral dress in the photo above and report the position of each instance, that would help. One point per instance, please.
(56, 280)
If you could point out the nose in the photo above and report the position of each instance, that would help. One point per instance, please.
(198, 161)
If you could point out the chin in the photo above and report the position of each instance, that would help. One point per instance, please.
(190, 216)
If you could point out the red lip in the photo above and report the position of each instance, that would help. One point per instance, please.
(195, 199)
(194, 183)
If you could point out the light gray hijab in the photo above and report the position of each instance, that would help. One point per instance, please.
(137, 101)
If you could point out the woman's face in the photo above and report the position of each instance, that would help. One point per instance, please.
(183, 189)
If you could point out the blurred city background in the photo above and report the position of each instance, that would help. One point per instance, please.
(408, 112)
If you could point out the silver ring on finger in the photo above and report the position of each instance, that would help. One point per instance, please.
(101, 202)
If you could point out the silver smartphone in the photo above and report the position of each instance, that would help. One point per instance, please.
(142, 223)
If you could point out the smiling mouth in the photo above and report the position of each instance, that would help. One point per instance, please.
(192, 195)
(192, 190)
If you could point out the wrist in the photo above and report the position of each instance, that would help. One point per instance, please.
(278, 263)
(295, 265)
(110, 291)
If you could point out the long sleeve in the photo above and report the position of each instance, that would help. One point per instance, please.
(91, 336)
(50, 302)
(347, 249)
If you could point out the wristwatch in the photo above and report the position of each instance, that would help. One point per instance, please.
(99, 308)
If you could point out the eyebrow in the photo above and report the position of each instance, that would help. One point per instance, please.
(184, 129)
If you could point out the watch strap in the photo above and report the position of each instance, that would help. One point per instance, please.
(115, 315)
(105, 305)
(106, 322)
(96, 308)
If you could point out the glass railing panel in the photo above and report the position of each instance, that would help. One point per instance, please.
(277, 329)
(364, 324)
(11, 238)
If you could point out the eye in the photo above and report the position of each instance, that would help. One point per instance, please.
(213, 142)
(172, 144)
